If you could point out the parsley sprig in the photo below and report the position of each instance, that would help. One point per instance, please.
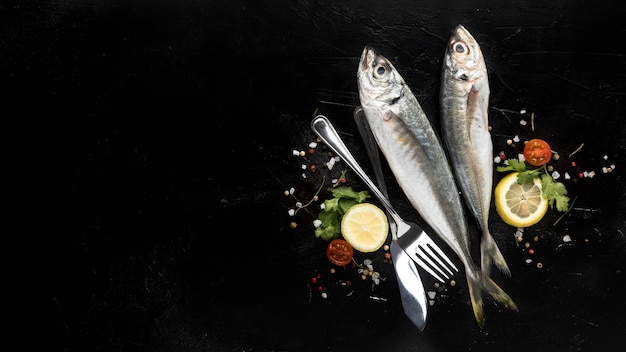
(554, 191)
(334, 208)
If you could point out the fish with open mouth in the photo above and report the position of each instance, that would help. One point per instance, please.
(417, 159)
(464, 100)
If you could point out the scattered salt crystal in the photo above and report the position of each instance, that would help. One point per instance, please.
(591, 174)
(334, 180)
(431, 294)
(605, 157)
(337, 159)
(586, 174)
(324, 295)
(322, 206)
(613, 166)
(567, 176)
(519, 232)
(370, 267)
(303, 166)
(566, 238)
(497, 159)
(528, 261)
(330, 163)
(516, 139)
(303, 175)
(521, 157)
(605, 170)
(317, 222)
(312, 145)
(292, 190)
(295, 152)
(556, 175)
(291, 212)
(523, 122)
(431, 302)
(523, 111)
(299, 204)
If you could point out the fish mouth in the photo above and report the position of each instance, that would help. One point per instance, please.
(368, 58)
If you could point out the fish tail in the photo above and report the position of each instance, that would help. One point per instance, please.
(474, 283)
(478, 283)
(490, 253)
(497, 293)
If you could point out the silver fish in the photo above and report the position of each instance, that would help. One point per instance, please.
(464, 99)
(418, 161)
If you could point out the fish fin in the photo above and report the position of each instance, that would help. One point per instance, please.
(497, 293)
(474, 283)
(478, 283)
(490, 253)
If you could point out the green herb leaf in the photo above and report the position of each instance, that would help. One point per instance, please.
(512, 165)
(555, 192)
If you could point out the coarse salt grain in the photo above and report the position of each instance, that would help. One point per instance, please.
(303, 175)
(303, 166)
(523, 111)
(291, 212)
(523, 122)
(556, 175)
(292, 190)
(521, 157)
(322, 206)
(312, 145)
(317, 222)
(567, 238)
(591, 174)
(516, 139)
(528, 261)
(497, 160)
(432, 294)
(567, 176)
(605, 170)
(295, 152)
(299, 204)
(330, 163)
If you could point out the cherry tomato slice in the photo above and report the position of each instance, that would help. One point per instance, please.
(339, 252)
(537, 152)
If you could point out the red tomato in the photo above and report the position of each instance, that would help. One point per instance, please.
(537, 152)
(339, 252)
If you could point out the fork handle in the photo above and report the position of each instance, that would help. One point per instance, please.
(325, 130)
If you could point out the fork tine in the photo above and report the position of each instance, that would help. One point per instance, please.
(440, 254)
(428, 268)
(429, 251)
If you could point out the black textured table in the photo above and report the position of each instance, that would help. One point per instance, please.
(149, 145)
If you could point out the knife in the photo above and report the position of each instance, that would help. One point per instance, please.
(412, 293)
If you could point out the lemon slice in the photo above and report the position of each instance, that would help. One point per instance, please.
(365, 227)
(520, 205)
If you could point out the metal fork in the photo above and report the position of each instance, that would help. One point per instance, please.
(415, 242)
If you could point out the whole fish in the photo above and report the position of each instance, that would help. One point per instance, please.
(418, 161)
(464, 100)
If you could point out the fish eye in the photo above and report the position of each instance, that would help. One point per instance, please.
(461, 48)
(380, 70)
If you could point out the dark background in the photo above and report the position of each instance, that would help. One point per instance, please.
(148, 145)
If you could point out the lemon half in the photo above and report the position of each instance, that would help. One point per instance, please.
(365, 227)
(520, 205)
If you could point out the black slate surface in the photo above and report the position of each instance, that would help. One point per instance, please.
(148, 145)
